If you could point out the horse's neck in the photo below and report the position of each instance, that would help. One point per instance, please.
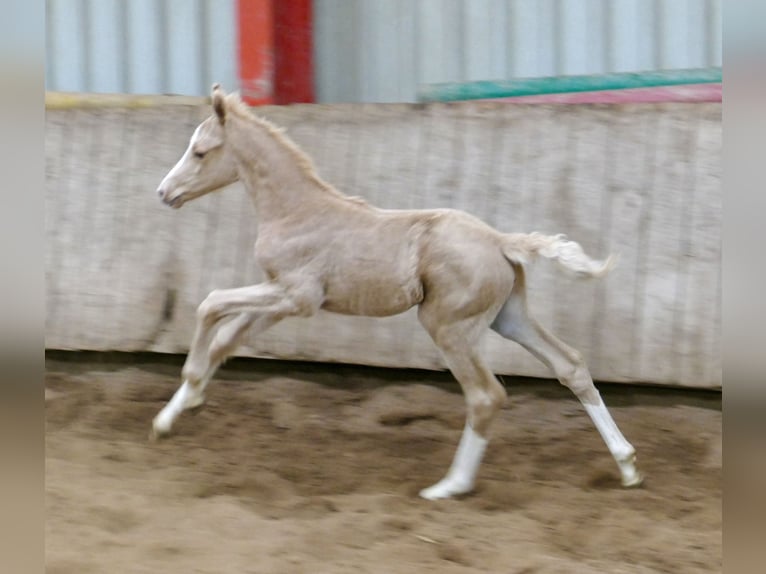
(272, 173)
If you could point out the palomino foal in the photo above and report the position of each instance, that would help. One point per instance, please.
(321, 249)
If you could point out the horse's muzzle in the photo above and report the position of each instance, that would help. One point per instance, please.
(174, 202)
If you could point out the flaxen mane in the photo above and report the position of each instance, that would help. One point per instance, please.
(235, 105)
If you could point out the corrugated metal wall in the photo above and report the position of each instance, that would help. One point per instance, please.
(140, 46)
(369, 50)
(376, 50)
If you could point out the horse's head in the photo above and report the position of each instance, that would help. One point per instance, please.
(205, 166)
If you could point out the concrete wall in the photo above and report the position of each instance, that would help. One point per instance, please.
(123, 272)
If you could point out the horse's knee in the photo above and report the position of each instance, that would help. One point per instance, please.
(206, 309)
(577, 377)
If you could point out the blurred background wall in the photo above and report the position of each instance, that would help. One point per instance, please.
(640, 179)
(364, 50)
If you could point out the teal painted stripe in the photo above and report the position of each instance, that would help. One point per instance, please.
(450, 92)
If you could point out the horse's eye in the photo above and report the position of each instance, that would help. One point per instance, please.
(199, 154)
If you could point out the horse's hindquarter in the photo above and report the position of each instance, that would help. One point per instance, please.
(462, 264)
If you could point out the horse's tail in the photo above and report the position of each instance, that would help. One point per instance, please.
(524, 248)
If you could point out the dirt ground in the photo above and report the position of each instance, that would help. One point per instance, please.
(296, 468)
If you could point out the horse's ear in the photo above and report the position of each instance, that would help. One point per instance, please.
(219, 103)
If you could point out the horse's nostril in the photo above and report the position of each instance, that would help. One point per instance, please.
(161, 192)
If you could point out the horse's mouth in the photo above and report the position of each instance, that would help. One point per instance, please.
(175, 203)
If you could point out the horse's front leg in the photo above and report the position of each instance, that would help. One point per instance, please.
(259, 306)
(191, 393)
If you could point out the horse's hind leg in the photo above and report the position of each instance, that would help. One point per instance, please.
(513, 322)
(484, 396)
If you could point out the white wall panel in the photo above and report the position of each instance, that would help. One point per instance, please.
(484, 54)
(184, 41)
(438, 42)
(143, 44)
(140, 46)
(65, 32)
(373, 51)
(573, 42)
(104, 37)
(337, 48)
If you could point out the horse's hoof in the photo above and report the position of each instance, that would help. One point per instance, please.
(446, 489)
(631, 478)
(634, 481)
(158, 431)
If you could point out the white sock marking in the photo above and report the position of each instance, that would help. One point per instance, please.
(462, 474)
(623, 452)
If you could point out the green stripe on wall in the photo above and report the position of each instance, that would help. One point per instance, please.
(451, 92)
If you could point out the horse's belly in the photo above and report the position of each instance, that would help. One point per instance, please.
(375, 298)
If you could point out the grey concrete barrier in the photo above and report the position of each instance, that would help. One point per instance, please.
(124, 272)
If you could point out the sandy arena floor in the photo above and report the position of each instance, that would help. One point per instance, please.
(296, 469)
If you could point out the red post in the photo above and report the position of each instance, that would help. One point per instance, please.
(294, 72)
(276, 63)
(255, 28)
